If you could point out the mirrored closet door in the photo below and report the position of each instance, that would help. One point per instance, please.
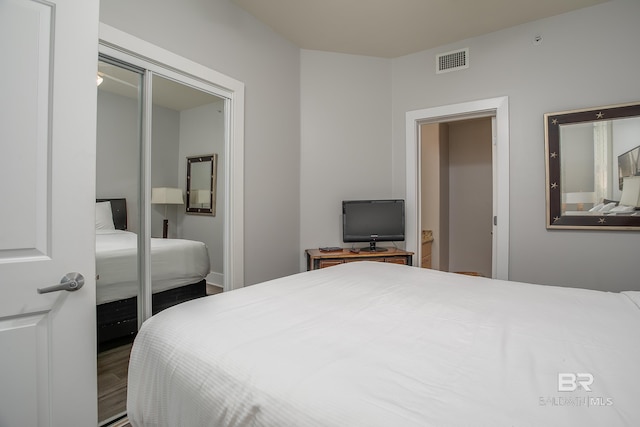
(152, 250)
(118, 171)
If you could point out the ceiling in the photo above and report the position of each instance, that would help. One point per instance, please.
(166, 93)
(381, 28)
(393, 28)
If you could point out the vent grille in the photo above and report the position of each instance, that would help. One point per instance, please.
(452, 61)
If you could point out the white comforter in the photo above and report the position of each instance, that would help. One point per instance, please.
(174, 262)
(374, 344)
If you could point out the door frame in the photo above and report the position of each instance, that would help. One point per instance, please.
(492, 107)
(112, 40)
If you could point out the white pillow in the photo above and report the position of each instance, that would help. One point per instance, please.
(104, 217)
(608, 207)
(597, 207)
(622, 209)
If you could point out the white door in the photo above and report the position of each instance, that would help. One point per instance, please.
(47, 190)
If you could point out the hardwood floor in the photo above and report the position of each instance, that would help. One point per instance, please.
(121, 423)
(113, 367)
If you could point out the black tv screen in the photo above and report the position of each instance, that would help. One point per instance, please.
(373, 221)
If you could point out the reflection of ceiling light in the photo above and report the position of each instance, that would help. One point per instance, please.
(117, 80)
(99, 79)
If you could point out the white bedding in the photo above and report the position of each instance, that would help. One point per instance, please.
(174, 262)
(375, 344)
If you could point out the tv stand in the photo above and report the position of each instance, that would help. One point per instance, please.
(317, 259)
(373, 248)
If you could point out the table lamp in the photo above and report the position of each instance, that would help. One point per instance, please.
(166, 196)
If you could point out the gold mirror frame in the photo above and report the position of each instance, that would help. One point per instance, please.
(201, 184)
(556, 216)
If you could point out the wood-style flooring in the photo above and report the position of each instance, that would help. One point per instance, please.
(113, 366)
(121, 423)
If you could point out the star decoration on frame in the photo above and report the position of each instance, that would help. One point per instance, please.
(600, 115)
(601, 220)
(556, 218)
(554, 186)
(554, 121)
(554, 155)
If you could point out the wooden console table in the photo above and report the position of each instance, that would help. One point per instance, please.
(319, 259)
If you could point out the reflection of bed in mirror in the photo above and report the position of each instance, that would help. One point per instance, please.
(178, 271)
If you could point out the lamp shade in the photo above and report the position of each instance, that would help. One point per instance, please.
(630, 191)
(166, 196)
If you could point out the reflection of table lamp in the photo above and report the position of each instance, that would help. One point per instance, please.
(630, 191)
(201, 198)
(579, 198)
(166, 196)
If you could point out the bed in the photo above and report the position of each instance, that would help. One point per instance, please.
(178, 269)
(378, 344)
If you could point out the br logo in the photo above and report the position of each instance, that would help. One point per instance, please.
(568, 381)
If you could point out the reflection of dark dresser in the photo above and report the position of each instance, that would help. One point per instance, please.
(319, 259)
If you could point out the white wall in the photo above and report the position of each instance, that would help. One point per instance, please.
(345, 143)
(118, 156)
(225, 38)
(117, 152)
(434, 190)
(165, 137)
(577, 154)
(587, 58)
(470, 195)
(202, 132)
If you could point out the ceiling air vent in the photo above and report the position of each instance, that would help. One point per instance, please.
(452, 61)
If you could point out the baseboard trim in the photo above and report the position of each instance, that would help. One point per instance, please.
(215, 279)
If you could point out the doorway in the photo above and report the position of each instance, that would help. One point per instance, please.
(456, 194)
(494, 107)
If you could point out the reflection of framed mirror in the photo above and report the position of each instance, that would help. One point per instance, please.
(201, 184)
(583, 152)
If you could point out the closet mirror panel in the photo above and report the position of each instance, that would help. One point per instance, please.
(118, 170)
(183, 251)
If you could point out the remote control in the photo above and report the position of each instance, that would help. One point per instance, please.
(330, 249)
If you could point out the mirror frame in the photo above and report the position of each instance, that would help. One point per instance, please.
(552, 122)
(213, 158)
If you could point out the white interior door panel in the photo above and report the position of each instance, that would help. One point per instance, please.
(47, 187)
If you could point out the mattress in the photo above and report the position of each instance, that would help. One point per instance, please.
(376, 344)
(174, 263)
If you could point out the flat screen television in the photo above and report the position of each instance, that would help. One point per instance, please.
(373, 221)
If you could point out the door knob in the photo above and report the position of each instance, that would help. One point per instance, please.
(70, 282)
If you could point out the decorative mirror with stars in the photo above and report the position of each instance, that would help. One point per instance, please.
(593, 168)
